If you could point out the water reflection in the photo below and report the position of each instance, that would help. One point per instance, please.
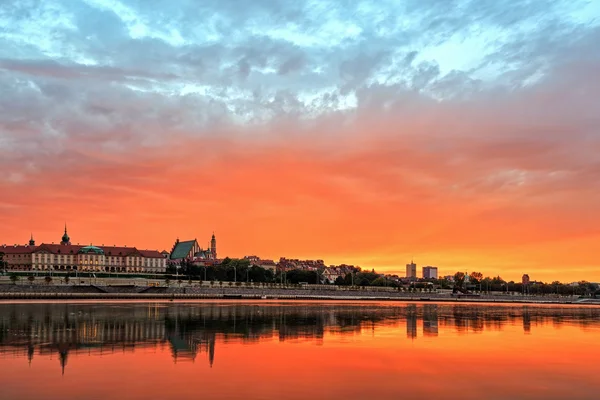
(190, 330)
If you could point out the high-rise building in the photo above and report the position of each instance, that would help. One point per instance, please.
(430, 272)
(411, 270)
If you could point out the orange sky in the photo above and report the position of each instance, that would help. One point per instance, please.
(493, 169)
(362, 197)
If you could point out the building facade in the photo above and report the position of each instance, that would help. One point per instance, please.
(430, 272)
(411, 270)
(190, 250)
(68, 257)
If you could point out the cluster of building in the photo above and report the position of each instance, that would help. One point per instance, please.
(258, 262)
(68, 257)
(286, 264)
(332, 273)
(429, 272)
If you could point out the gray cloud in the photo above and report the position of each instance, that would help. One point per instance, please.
(110, 76)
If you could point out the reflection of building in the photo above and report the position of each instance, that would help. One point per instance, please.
(187, 349)
(66, 331)
(411, 270)
(63, 330)
(411, 321)
(526, 320)
(430, 272)
(68, 257)
(430, 320)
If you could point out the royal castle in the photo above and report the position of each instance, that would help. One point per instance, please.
(69, 257)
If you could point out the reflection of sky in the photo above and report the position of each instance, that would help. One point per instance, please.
(483, 111)
(491, 356)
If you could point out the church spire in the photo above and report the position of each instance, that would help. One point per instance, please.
(213, 246)
(31, 241)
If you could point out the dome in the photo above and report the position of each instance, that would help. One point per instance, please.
(91, 249)
(65, 238)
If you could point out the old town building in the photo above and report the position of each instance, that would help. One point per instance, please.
(69, 257)
(190, 250)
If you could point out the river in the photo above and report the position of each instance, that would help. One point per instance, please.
(297, 350)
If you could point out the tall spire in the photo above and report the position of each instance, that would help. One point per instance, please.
(65, 239)
(31, 241)
(213, 246)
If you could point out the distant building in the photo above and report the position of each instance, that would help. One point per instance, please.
(266, 264)
(525, 279)
(286, 264)
(411, 270)
(430, 272)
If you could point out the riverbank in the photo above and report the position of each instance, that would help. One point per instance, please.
(130, 292)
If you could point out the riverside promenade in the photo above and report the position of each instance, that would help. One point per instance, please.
(185, 291)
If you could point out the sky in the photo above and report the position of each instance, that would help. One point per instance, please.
(461, 134)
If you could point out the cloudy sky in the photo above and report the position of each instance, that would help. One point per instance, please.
(465, 134)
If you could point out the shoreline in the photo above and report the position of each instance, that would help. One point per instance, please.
(24, 296)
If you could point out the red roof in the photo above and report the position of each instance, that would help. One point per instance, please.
(113, 251)
(58, 248)
(151, 254)
(117, 251)
(19, 249)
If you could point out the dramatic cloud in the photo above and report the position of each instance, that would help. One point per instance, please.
(463, 133)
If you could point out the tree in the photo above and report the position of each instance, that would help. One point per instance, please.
(14, 278)
(67, 279)
(167, 281)
(339, 281)
(3, 264)
(475, 277)
(459, 280)
(381, 281)
(31, 278)
(48, 279)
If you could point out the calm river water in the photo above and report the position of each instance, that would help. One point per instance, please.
(312, 350)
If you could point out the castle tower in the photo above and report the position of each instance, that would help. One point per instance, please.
(213, 246)
(65, 239)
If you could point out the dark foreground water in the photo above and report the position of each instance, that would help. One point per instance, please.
(313, 350)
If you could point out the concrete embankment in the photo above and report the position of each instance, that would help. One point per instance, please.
(91, 292)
